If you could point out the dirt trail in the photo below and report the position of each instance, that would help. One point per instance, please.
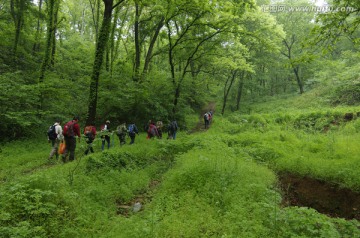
(200, 125)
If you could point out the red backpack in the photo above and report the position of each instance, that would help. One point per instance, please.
(69, 129)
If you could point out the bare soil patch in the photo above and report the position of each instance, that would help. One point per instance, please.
(324, 197)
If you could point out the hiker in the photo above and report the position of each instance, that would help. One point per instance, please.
(152, 131)
(71, 129)
(105, 129)
(172, 129)
(132, 130)
(159, 126)
(55, 136)
(121, 133)
(206, 120)
(89, 133)
(210, 116)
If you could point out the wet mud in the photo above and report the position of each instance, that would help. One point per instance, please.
(326, 198)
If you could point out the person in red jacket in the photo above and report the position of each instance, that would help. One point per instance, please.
(152, 131)
(71, 130)
(89, 133)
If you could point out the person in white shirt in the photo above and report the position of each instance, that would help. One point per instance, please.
(55, 140)
(106, 137)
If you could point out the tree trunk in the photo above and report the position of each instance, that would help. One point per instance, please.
(227, 90)
(95, 10)
(50, 28)
(176, 98)
(36, 45)
(53, 46)
(151, 47)
(99, 55)
(298, 79)
(137, 43)
(239, 92)
(111, 44)
(17, 12)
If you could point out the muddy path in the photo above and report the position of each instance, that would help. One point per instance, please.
(211, 106)
(324, 197)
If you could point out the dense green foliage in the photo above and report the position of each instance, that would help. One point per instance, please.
(162, 59)
(286, 88)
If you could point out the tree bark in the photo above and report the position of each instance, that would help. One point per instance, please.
(227, 90)
(17, 9)
(53, 46)
(137, 43)
(151, 47)
(239, 92)
(50, 28)
(298, 79)
(99, 55)
(36, 45)
(95, 9)
(295, 68)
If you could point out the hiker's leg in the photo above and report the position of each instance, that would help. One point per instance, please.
(72, 147)
(66, 151)
(56, 148)
(52, 152)
(107, 138)
(102, 143)
(122, 139)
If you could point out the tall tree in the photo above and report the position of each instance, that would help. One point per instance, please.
(52, 7)
(99, 55)
(297, 26)
(190, 27)
(17, 10)
(36, 45)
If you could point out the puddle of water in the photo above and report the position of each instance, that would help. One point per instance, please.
(324, 197)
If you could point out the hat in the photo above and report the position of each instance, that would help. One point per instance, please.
(107, 121)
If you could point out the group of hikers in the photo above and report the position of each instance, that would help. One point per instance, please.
(63, 140)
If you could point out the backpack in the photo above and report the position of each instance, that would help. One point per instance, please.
(69, 129)
(159, 124)
(206, 116)
(88, 132)
(131, 129)
(173, 126)
(52, 132)
(120, 130)
(152, 130)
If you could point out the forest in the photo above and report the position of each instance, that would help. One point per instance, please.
(280, 157)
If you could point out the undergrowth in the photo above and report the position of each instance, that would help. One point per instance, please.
(216, 183)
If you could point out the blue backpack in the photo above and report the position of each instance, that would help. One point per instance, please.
(131, 129)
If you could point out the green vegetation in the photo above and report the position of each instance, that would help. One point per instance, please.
(221, 182)
(286, 88)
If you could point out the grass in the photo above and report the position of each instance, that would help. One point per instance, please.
(217, 183)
